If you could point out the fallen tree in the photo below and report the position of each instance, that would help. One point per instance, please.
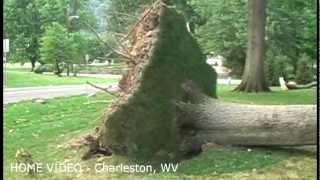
(167, 105)
(293, 86)
(301, 86)
(243, 124)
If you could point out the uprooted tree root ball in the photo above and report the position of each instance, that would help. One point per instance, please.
(143, 121)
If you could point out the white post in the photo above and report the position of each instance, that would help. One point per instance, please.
(188, 27)
(229, 80)
(5, 50)
(87, 58)
(4, 68)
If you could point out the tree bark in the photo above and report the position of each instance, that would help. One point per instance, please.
(227, 123)
(301, 86)
(253, 79)
(211, 120)
(241, 124)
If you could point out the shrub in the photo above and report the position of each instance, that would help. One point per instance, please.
(305, 72)
(57, 47)
(44, 68)
(279, 66)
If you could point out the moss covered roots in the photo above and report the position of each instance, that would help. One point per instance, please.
(143, 122)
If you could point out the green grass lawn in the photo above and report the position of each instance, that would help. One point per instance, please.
(40, 128)
(24, 78)
(45, 129)
(276, 96)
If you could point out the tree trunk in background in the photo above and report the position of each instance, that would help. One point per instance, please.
(33, 64)
(68, 69)
(58, 69)
(253, 79)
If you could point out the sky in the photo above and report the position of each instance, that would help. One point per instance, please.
(99, 7)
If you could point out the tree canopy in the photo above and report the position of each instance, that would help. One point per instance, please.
(220, 26)
(27, 21)
(290, 31)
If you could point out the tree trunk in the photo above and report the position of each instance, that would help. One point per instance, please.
(240, 124)
(58, 69)
(253, 79)
(165, 107)
(33, 65)
(261, 125)
(68, 69)
(301, 86)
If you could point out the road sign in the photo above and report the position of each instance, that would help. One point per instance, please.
(6, 45)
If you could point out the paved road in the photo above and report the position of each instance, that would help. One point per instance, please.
(113, 76)
(11, 95)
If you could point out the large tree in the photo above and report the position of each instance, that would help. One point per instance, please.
(57, 47)
(290, 32)
(25, 22)
(253, 79)
(166, 106)
(23, 29)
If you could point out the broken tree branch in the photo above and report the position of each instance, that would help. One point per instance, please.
(125, 55)
(101, 88)
(301, 86)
